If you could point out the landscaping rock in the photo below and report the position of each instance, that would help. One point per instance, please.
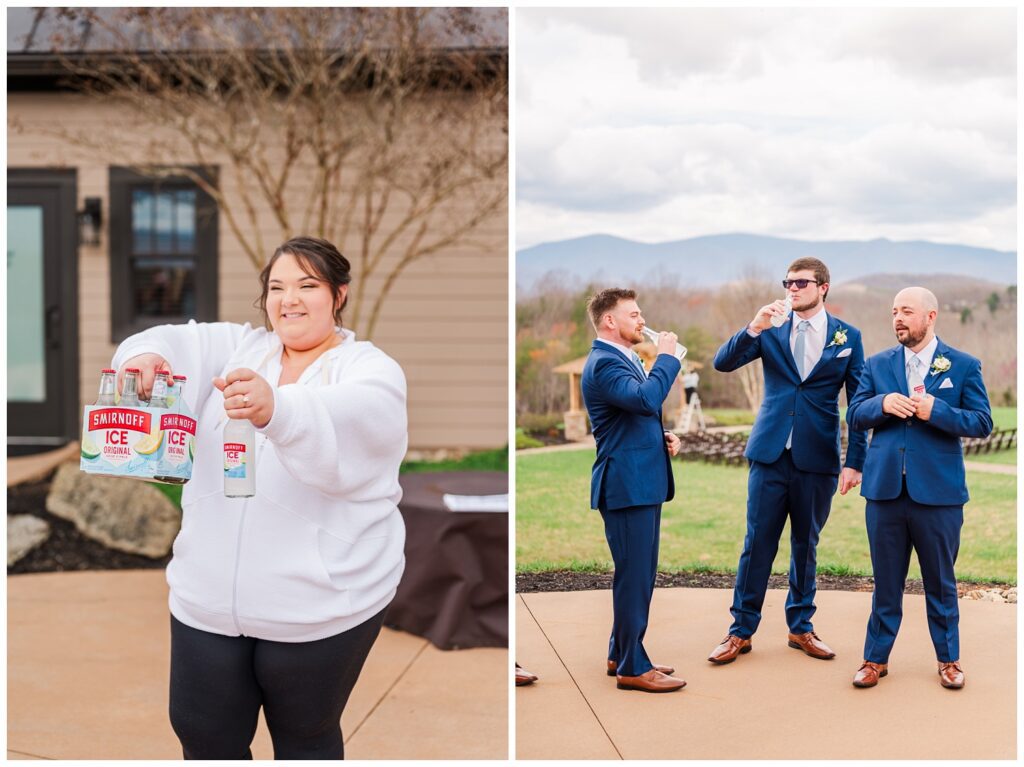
(993, 595)
(24, 533)
(123, 514)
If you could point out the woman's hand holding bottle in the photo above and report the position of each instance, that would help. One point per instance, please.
(247, 395)
(148, 364)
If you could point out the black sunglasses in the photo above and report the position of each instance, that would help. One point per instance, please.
(801, 284)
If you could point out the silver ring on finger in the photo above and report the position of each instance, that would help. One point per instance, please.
(245, 399)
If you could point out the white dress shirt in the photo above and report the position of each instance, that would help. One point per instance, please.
(814, 341)
(925, 355)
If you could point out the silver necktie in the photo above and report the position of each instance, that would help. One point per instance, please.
(798, 353)
(915, 379)
(800, 346)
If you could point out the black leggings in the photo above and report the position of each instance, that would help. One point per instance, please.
(218, 684)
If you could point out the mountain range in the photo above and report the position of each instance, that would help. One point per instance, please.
(716, 259)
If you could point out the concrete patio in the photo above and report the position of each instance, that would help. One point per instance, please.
(87, 678)
(775, 702)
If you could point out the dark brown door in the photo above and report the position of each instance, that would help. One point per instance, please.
(42, 321)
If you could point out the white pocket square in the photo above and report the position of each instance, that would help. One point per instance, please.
(844, 353)
(947, 384)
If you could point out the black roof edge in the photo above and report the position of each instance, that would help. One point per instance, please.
(47, 72)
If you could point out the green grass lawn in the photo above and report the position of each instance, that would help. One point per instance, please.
(482, 460)
(1002, 418)
(1005, 457)
(730, 416)
(703, 527)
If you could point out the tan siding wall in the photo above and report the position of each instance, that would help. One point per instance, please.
(445, 320)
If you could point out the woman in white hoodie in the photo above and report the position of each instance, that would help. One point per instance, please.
(276, 599)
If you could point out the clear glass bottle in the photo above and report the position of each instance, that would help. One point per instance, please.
(778, 320)
(176, 391)
(239, 458)
(108, 387)
(158, 397)
(130, 390)
(654, 335)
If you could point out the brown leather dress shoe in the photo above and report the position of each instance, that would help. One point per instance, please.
(730, 649)
(812, 645)
(869, 673)
(524, 677)
(951, 675)
(651, 681)
(613, 669)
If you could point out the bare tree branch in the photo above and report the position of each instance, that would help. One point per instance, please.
(363, 124)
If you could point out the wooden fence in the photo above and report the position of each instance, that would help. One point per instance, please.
(728, 448)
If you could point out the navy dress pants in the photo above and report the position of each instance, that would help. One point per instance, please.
(632, 536)
(776, 492)
(894, 527)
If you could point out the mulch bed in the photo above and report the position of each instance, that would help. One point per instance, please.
(66, 549)
(565, 580)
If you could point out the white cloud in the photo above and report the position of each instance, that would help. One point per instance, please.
(820, 124)
(937, 43)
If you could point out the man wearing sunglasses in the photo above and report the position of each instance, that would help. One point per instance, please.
(793, 450)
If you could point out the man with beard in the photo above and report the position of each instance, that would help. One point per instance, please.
(632, 476)
(794, 451)
(919, 398)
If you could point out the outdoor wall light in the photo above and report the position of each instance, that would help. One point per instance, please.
(90, 221)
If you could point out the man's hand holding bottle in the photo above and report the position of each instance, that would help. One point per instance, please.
(765, 315)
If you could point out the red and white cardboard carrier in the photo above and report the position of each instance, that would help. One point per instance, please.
(148, 443)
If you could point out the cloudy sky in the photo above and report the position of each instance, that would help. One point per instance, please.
(816, 124)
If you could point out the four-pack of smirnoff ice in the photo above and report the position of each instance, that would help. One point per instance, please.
(126, 438)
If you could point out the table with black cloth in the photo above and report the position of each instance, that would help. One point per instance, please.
(455, 588)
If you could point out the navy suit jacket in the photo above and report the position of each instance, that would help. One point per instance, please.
(810, 408)
(930, 449)
(632, 466)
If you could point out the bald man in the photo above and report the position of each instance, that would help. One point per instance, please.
(919, 398)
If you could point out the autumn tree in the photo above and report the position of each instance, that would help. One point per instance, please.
(992, 302)
(383, 130)
(735, 306)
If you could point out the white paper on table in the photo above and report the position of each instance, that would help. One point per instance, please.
(476, 502)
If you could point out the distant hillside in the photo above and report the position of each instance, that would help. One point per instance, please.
(949, 288)
(717, 259)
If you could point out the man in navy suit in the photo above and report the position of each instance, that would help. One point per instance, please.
(793, 450)
(632, 476)
(918, 398)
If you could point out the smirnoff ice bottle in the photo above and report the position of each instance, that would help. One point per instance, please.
(130, 391)
(108, 387)
(180, 447)
(106, 398)
(778, 319)
(158, 397)
(653, 336)
(239, 458)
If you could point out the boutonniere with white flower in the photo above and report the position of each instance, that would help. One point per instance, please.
(940, 365)
(839, 338)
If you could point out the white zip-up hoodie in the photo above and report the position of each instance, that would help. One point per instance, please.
(320, 548)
